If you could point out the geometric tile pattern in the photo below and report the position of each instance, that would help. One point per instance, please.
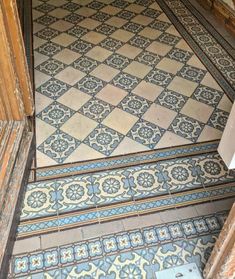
(113, 54)
(136, 253)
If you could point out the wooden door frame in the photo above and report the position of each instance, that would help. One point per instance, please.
(16, 133)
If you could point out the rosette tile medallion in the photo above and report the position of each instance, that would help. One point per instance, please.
(132, 97)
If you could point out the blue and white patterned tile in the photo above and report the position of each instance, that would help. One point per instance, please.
(148, 58)
(192, 73)
(85, 64)
(168, 39)
(171, 100)
(47, 33)
(159, 77)
(90, 85)
(51, 67)
(140, 42)
(117, 61)
(207, 95)
(49, 49)
(218, 119)
(179, 55)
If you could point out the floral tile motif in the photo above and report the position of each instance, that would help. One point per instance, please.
(207, 95)
(105, 29)
(58, 146)
(160, 25)
(47, 33)
(159, 77)
(104, 139)
(148, 58)
(45, 8)
(120, 4)
(192, 73)
(49, 49)
(96, 109)
(100, 16)
(111, 44)
(186, 127)
(46, 20)
(117, 61)
(171, 100)
(151, 13)
(146, 133)
(179, 55)
(90, 85)
(125, 81)
(77, 31)
(168, 39)
(133, 27)
(81, 47)
(53, 88)
(96, 5)
(51, 67)
(71, 6)
(85, 64)
(218, 119)
(56, 114)
(139, 41)
(135, 105)
(74, 18)
(128, 15)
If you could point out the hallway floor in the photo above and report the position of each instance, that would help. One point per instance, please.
(126, 180)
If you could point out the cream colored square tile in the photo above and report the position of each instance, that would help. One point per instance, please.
(172, 30)
(36, 14)
(111, 94)
(110, 10)
(129, 51)
(116, 21)
(99, 53)
(39, 58)
(135, 8)
(105, 72)
(209, 133)
(122, 35)
(143, 20)
(74, 99)
(37, 42)
(57, 3)
(43, 160)
(93, 37)
(159, 48)
(41, 102)
(40, 78)
(197, 110)
(120, 121)
(155, 6)
(85, 11)
(169, 65)
(225, 104)
(89, 23)
(148, 90)
(208, 80)
(170, 139)
(67, 56)
(128, 146)
(37, 27)
(160, 116)
(137, 69)
(163, 17)
(79, 126)
(150, 33)
(183, 45)
(59, 13)
(61, 25)
(43, 131)
(64, 39)
(182, 86)
(85, 2)
(36, 3)
(195, 62)
(83, 153)
(70, 75)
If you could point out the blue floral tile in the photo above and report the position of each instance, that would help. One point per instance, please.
(66, 255)
(128, 15)
(81, 251)
(160, 25)
(159, 77)
(110, 244)
(133, 27)
(186, 127)
(96, 5)
(105, 29)
(179, 55)
(134, 104)
(51, 258)
(45, 8)
(146, 133)
(85, 64)
(140, 41)
(125, 81)
(71, 6)
(117, 61)
(192, 73)
(74, 18)
(77, 31)
(55, 114)
(51, 67)
(46, 20)
(111, 44)
(58, 146)
(168, 39)
(120, 4)
(36, 261)
(49, 49)
(207, 95)
(53, 88)
(104, 139)
(171, 100)
(96, 109)
(90, 85)
(81, 47)
(218, 119)
(100, 16)
(148, 58)
(47, 33)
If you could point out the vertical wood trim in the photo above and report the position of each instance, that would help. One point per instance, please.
(17, 44)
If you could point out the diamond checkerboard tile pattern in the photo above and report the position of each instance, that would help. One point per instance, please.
(115, 77)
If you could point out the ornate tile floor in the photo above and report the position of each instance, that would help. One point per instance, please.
(116, 77)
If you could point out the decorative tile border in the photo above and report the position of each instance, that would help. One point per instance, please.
(187, 232)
